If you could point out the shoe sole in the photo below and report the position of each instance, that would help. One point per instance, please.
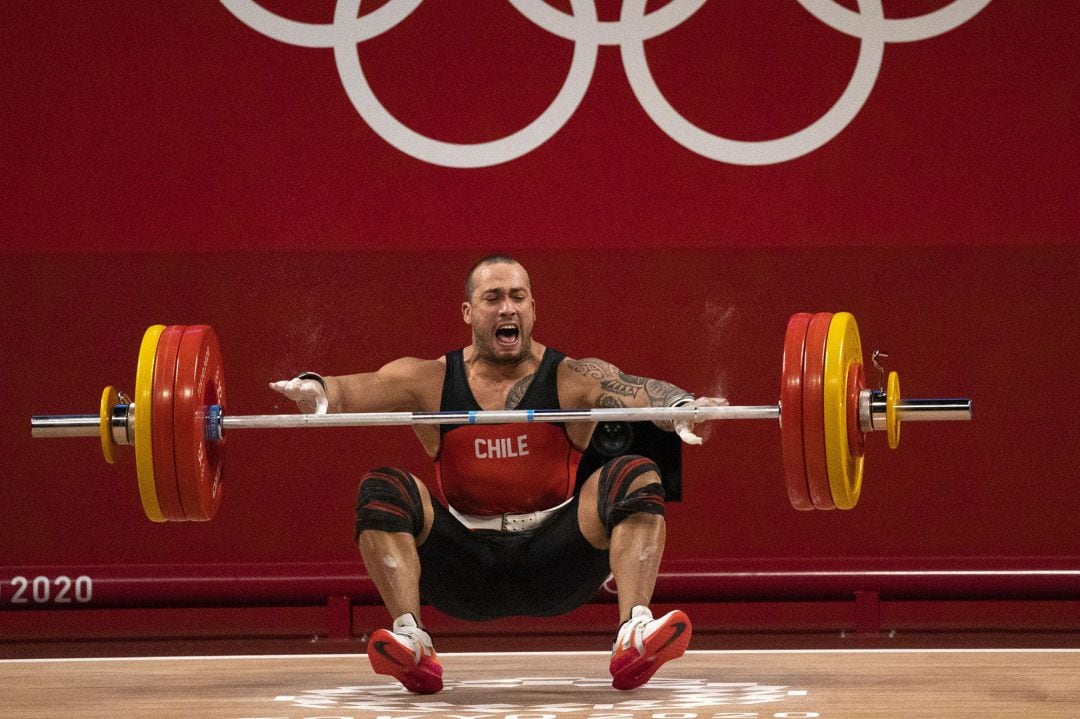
(388, 657)
(667, 643)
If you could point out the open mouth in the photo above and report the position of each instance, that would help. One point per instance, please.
(507, 334)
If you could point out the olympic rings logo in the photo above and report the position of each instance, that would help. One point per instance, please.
(588, 33)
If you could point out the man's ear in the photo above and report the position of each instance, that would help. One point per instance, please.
(466, 312)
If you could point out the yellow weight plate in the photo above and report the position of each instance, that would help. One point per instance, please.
(144, 437)
(842, 349)
(892, 421)
(109, 398)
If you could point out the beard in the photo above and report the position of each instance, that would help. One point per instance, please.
(487, 350)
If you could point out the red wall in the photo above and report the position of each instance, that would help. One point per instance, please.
(167, 163)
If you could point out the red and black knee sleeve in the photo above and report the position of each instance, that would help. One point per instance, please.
(389, 501)
(613, 501)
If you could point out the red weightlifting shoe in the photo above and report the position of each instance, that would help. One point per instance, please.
(406, 654)
(644, 644)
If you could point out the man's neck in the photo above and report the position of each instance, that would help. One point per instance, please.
(484, 369)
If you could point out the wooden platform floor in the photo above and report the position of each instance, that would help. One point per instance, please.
(755, 684)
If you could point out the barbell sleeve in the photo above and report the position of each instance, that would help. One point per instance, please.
(65, 425)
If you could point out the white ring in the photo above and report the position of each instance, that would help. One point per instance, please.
(306, 34)
(572, 27)
(481, 154)
(908, 29)
(765, 152)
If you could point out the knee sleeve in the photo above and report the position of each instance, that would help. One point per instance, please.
(614, 503)
(389, 501)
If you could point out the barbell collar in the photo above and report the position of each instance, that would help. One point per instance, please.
(122, 423)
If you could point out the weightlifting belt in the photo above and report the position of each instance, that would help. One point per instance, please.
(507, 522)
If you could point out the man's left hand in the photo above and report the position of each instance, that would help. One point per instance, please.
(685, 427)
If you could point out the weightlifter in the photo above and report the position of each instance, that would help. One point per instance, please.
(501, 529)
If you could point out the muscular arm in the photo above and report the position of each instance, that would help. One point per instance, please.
(404, 385)
(597, 383)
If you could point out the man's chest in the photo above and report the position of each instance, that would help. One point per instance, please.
(500, 394)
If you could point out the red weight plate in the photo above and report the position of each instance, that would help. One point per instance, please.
(161, 424)
(817, 471)
(200, 383)
(856, 383)
(791, 420)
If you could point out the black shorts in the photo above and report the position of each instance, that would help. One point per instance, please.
(483, 574)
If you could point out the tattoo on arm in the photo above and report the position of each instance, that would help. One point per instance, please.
(606, 401)
(592, 368)
(618, 389)
(517, 392)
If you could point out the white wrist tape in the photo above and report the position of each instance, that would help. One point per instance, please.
(315, 376)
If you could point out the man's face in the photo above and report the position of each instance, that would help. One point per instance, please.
(501, 313)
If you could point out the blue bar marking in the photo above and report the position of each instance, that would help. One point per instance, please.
(529, 415)
(472, 417)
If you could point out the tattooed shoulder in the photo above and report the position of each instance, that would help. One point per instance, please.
(517, 392)
(591, 367)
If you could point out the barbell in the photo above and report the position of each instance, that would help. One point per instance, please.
(177, 424)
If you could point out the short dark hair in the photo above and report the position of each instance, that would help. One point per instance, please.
(493, 259)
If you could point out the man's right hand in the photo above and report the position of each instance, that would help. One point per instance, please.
(308, 394)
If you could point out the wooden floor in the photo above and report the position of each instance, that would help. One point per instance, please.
(781, 684)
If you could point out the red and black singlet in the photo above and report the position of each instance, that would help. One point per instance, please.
(487, 469)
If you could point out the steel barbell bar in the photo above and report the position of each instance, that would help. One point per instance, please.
(217, 422)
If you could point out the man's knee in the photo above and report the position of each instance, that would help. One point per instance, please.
(628, 485)
(389, 500)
